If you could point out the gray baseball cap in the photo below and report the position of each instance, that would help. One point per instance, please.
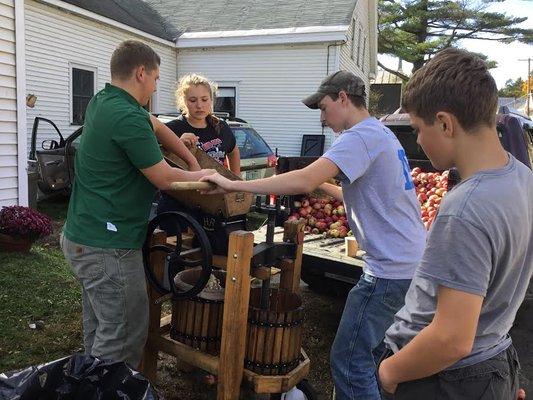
(333, 84)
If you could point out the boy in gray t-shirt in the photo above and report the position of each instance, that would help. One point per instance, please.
(383, 213)
(451, 339)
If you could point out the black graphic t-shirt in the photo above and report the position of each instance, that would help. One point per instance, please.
(216, 145)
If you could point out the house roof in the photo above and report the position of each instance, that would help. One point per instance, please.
(235, 15)
(134, 13)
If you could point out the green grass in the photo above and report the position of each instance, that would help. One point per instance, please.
(39, 286)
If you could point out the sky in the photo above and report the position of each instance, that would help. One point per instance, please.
(506, 55)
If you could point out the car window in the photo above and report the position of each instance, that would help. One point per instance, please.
(250, 143)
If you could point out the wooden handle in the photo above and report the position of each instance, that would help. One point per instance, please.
(192, 186)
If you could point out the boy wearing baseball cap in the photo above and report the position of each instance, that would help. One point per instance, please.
(451, 339)
(382, 211)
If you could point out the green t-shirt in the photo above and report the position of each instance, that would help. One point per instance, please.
(111, 199)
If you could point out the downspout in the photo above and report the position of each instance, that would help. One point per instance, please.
(327, 62)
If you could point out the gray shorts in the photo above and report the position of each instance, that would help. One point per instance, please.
(115, 300)
(493, 379)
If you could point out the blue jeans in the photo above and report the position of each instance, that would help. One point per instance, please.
(358, 345)
(115, 300)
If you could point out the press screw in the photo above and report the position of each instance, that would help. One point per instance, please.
(233, 279)
(235, 255)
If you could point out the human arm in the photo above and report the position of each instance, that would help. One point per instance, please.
(172, 143)
(234, 161)
(294, 182)
(161, 175)
(446, 340)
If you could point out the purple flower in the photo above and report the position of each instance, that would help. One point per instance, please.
(23, 221)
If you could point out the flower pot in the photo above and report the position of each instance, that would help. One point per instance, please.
(15, 243)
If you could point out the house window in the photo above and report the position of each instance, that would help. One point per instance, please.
(359, 39)
(83, 82)
(352, 53)
(225, 100)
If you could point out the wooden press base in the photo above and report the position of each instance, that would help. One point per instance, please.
(229, 366)
(261, 384)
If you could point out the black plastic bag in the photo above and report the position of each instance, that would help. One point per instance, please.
(79, 377)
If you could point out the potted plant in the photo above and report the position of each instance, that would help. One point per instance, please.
(21, 226)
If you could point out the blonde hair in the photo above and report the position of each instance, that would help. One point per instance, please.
(181, 93)
(192, 80)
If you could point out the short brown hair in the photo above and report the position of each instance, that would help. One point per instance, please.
(131, 54)
(457, 82)
(357, 101)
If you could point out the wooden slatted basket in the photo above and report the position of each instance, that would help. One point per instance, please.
(275, 335)
(229, 204)
(197, 322)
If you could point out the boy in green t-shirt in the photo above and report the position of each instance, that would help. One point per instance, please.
(118, 169)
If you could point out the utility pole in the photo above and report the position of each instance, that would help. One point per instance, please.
(528, 84)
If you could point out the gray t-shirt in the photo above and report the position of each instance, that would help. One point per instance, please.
(481, 243)
(380, 200)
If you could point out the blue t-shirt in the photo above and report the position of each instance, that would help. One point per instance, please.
(380, 200)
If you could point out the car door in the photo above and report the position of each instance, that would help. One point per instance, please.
(71, 147)
(49, 156)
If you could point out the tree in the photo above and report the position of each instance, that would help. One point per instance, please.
(414, 30)
(513, 88)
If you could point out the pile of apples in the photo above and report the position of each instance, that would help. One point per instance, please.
(430, 187)
(327, 216)
(322, 215)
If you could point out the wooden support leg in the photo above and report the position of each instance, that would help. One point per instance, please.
(148, 365)
(234, 323)
(291, 268)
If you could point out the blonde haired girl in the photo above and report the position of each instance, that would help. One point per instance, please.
(197, 126)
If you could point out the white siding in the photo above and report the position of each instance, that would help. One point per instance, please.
(348, 59)
(8, 106)
(271, 81)
(55, 40)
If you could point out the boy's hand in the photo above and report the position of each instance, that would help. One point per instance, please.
(223, 184)
(385, 383)
(189, 139)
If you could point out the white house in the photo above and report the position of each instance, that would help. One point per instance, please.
(266, 56)
(68, 49)
(13, 179)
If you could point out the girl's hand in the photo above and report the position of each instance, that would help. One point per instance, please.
(189, 139)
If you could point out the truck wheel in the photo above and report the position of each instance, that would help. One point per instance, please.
(326, 286)
(318, 284)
